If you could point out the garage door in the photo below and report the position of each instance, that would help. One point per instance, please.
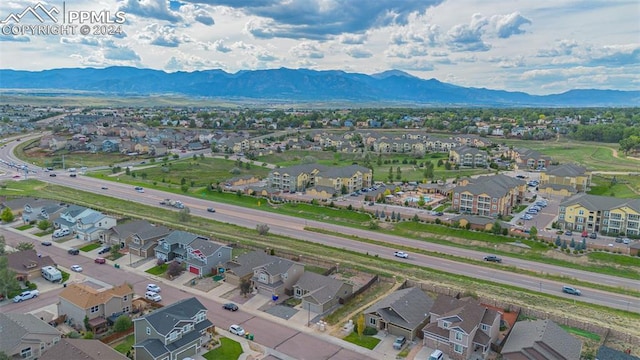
(194, 270)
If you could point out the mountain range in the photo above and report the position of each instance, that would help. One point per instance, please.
(297, 85)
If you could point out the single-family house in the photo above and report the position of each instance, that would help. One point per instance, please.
(24, 336)
(173, 332)
(240, 268)
(540, 340)
(320, 293)
(461, 328)
(403, 313)
(174, 245)
(27, 264)
(205, 257)
(140, 236)
(607, 353)
(81, 349)
(276, 276)
(78, 301)
(93, 226)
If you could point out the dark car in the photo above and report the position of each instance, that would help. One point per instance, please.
(211, 210)
(73, 251)
(100, 260)
(492, 258)
(104, 250)
(46, 243)
(568, 232)
(53, 175)
(230, 307)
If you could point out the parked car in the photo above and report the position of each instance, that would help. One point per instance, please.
(568, 232)
(26, 295)
(154, 288)
(571, 290)
(104, 250)
(399, 342)
(236, 330)
(153, 296)
(401, 254)
(76, 268)
(73, 251)
(211, 210)
(492, 258)
(626, 241)
(230, 307)
(593, 235)
(46, 243)
(526, 217)
(100, 260)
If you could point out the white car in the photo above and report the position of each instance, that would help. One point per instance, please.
(76, 268)
(153, 296)
(236, 330)
(401, 254)
(153, 288)
(26, 295)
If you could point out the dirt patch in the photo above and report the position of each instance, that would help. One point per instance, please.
(357, 279)
(235, 296)
(205, 284)
(583, 259)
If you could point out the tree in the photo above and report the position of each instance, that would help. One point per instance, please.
(175, 269)
(573, 243)
(8, 282)
(558, 241)
(184, 214)
(497, 228)
(3, 243)
(564, 245)
(44, 224)
(245, 288)
(390, 173)
(123, 323)
(360, 324)
(3, 356)
(533, 232)
(398, 173)
(25, 246)
(262, 229)
(114, 251)
(7, 215)
(88, 335)
(584, 244)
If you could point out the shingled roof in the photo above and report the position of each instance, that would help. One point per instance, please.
(84, 296)
(529, 335)
(407, 308)
(595, 202)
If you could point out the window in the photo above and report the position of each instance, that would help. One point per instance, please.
(458, 335)
(165, 246)
(457, 348)
(125, 309)
(200, 317)
(124, 298)
(26, 353)
(484, 327)
(148, 331)
(372, 321)
(173, 336)
(95, 309)
(445, 324)
(188, 328)
(41, 346)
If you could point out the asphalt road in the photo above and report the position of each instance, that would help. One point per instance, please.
(294, 227)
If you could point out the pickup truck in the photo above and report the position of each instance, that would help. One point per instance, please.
(401, 254)
(26, 295)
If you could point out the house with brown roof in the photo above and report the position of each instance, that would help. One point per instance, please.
(81, 349)
(540, 340)
(461, 328)
(27, 264)
(402, 313)
(320, 293)
(78, 301)
(24, 336)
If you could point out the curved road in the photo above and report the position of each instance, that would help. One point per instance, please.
(294, 227)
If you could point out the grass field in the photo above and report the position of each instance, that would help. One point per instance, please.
(365, 341)
(89, 247)
(621, 186)
(158, 269)
(126, 345)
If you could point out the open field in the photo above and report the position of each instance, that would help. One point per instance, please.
(592, 155)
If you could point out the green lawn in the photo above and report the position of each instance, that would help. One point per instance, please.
(619, 186)
(24, 227)
(125, 345)
(228, 350)
(580, 332)
(158, 269)
(368, 342)
(90, 247)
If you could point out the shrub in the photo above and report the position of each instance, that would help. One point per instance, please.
(370, 331)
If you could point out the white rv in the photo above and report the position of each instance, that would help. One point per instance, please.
(52, 274)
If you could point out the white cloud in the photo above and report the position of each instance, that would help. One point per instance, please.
(358, 52)
(306, 49)
(509, 25)
(154, 9)
(163, 35)
(463, 37)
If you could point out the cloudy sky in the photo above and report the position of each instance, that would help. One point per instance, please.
(536, 46)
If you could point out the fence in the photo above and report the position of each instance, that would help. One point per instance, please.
(115, 337)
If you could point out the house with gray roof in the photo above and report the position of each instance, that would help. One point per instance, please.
(567, 174)
(276, 276)
(81, 349)
(205, 257)
(172, 332)
(93, 226)
(300, 177)
(540, 339)
(402, 313)
(528, 159)
(36, 209)
(241, 267)
(140, 236)
(468, 156)
(24, 336)
(490, 195)
(461, 328)
(320, 293)
(174, 245)
(607, 353)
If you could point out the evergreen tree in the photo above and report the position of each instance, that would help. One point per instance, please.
(573, 243)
